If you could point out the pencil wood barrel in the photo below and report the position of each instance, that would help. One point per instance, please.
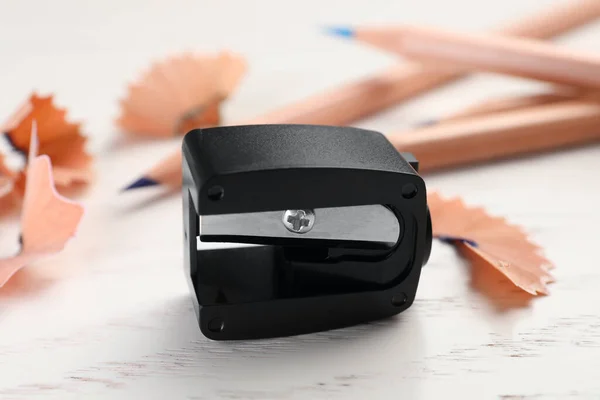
(511, 104)
(496, 137)
(489, 53)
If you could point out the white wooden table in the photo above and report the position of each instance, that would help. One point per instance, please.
(111, 316)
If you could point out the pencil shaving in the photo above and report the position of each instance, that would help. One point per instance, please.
(7, 200)
(6, 186)
(59, 139)
(491, 240)
(48, 220)
(180, 94)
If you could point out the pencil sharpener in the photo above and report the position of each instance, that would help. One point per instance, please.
(319, 227)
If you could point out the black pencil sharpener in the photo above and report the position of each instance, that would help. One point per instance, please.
(319, 227)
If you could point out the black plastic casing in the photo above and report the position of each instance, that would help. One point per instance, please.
(274, 290)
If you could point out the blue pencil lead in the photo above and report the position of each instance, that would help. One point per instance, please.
(140, 183)
(341, 31)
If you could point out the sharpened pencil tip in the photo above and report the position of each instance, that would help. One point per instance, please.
(140, 183)
(452, 239)
(341, 31)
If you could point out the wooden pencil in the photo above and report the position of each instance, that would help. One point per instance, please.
(520, 57)
(353, 101)
(494, 137)
(167, 172)
(503, 104)
(356, 100)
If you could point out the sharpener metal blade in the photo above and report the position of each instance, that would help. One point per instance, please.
(371, 224)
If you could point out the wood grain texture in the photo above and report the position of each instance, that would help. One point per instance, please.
(110, 317)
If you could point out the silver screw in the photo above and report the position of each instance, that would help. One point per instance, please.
(298, 221)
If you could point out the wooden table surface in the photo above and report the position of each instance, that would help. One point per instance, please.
(111, 316)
